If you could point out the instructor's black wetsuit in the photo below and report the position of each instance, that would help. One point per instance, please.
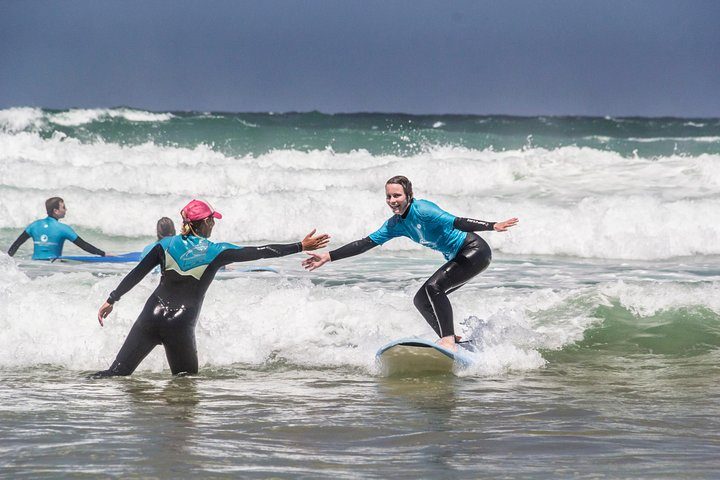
(188, 265)
(427, 224)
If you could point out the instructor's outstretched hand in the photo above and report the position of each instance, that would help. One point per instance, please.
(316, 260)
(104, 312)
(503, 226)
(313, 243)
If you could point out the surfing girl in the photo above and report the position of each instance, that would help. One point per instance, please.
(427, 224)
(188, 263)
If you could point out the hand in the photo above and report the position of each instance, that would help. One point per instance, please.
(104, 312)
(503, 226)
(315, 260)
(313, 243)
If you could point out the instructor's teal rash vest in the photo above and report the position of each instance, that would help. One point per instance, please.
(188, 265)
(48, 236)
(426, 224)
(190, 255)
(163, 242)
(147, 249)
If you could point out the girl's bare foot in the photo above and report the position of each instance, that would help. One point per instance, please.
(448, 342)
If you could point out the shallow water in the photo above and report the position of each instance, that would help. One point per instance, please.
(653, 419)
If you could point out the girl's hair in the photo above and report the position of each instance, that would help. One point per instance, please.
(403, 182)
(165, 228)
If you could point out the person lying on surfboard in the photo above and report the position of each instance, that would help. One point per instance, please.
(49, 234)
(188, 263)
(427, 224)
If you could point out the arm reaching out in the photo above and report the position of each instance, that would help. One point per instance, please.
(316, 260)
(87, 247)
(503, 226)
(472, 225)
(246, 254)
(313, 243)
(357, 247)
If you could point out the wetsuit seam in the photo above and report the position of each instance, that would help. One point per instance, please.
(432, 305)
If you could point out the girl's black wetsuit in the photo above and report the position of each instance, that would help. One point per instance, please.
(188, 265)
(432, 301)
(437, 229)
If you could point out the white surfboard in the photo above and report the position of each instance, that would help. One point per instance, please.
(420, 356)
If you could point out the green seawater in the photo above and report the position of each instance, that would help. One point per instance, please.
(397, 134)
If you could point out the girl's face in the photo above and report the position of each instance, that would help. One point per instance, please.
(396, 199)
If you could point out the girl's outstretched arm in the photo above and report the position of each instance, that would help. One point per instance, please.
(317, 260)
(503, 226)
(472, 225)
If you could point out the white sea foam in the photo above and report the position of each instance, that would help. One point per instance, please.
(571, 201)
(246, 123)
(707, 139)
(19, 119)
(30, 119)
(77, 117)
(260, 319)
(10, 274)
(645, 301)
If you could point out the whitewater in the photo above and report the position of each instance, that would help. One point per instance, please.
(607, 292)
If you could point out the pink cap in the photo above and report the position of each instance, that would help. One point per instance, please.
(198, 210)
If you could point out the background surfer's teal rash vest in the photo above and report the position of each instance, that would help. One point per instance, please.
(426, 224)
(48, 236)
(190, 255)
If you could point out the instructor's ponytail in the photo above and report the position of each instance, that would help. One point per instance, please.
(189, 227)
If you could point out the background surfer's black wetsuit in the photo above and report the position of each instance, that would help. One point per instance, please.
(431, 300)
(171, 312)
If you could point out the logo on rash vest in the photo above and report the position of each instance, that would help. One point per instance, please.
(192, 262)
(195, 253)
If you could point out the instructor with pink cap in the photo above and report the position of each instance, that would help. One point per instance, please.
(188, 263)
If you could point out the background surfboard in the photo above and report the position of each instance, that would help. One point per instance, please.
(122, 258)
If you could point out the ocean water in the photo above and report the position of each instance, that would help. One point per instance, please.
(598, 320)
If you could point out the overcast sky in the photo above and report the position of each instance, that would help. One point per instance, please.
(523, 57)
